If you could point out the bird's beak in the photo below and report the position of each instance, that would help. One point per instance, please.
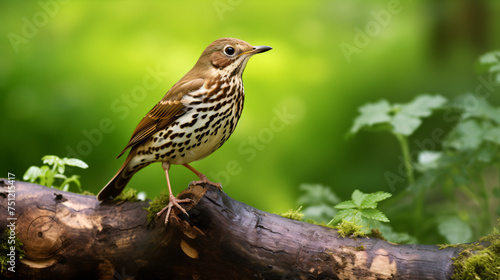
(257, 49)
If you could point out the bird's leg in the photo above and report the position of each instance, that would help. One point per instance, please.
(173, 201)
(203, 178)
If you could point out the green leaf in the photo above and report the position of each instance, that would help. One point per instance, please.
(361, 209)
(60, 176)
(405, 124)
(371, 200)
(350, 215)
(399, 118)
(408, 118)
(477, 107)
(32, 173)
(51, 160)
(348, 204)
(467, 135)
(374, 214)
(75, 162)
(423, 105)
(340, 216)
(371, 114)
(358, 197)
(60, 169)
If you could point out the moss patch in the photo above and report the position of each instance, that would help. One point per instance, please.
(5, 249)
(479, 260)
(350, 229)
(128, 195)
(375, 232)
(444, 246)
(85, 192)
(156, 205)
(320, 224)
(360, 248)
(291, 214)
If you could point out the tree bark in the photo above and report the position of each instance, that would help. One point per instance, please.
(73, 236)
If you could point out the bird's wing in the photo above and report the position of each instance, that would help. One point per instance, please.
(164, 113)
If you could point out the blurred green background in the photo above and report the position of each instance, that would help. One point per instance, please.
(72, 84)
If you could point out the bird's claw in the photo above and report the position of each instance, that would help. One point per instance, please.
(173, 201)
(204, 180)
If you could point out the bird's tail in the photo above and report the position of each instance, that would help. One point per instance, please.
(116, 185)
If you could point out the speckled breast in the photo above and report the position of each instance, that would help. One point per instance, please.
(206, 124)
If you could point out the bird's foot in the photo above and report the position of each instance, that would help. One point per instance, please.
(173, 201)
(204, 180)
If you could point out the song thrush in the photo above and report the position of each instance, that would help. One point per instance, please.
(194, 118)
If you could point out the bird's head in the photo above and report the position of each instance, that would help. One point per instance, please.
(228, 55)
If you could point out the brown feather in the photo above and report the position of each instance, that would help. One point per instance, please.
(164, 112)
(116, 185)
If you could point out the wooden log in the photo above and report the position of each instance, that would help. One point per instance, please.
(73, 236)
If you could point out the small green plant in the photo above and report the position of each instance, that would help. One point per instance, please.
(362, 210)
(52, 173)
(356, 217)
(401, 120)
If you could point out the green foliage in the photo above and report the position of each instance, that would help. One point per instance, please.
(53, 171)
(361, 210)
(470, 150)
(469, 153)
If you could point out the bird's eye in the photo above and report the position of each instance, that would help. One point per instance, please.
(229, 50)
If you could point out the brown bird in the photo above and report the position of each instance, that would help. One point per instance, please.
(194, 118)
